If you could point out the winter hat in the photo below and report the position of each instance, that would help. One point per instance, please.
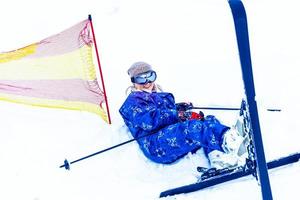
(138, 68)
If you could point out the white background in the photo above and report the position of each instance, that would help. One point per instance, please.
(192, 46)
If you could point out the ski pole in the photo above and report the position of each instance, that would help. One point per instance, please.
(226, 108)
(67, 164)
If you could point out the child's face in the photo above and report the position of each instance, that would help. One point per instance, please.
(147, 86)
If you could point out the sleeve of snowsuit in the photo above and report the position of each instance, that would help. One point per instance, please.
(148, 112)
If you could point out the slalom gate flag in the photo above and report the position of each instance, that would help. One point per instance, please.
(57, 72)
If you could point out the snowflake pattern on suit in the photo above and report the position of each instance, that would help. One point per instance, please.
(156, 113)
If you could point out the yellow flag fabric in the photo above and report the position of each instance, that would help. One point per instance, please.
(56, 72)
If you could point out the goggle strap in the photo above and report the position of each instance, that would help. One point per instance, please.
(132, 79)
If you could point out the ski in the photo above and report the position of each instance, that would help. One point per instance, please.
(235, 174)
(256, 162)
(242, 37)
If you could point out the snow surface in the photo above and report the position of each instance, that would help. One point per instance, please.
(192, 46)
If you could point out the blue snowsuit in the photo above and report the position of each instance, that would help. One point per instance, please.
(156, 113)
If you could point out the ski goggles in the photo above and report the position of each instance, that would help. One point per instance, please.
(144, 78)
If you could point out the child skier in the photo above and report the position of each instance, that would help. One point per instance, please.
(173, 130)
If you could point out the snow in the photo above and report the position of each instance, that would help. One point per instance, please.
(192, 46)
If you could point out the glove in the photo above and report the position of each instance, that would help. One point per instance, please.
(183, 106)
(199, 115)
(183, 115)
